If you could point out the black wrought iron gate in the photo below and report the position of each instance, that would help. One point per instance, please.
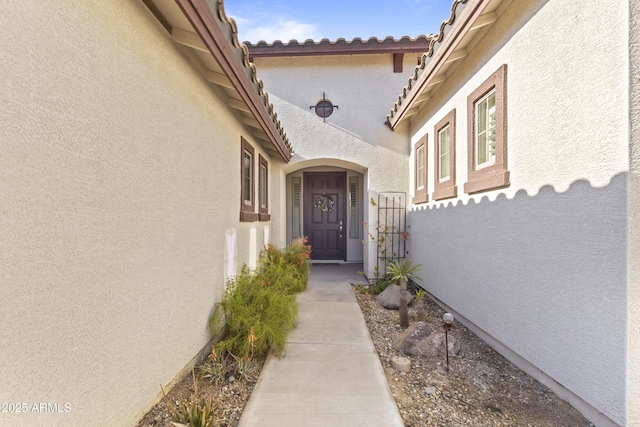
(392, 232)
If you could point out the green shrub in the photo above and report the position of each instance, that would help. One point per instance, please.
(259, 308)
(282, 276)
(250, 304)
(288, 267)
(381, 284)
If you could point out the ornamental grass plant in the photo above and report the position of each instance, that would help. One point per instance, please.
(293, 259)
(250, 303)
(262, 303)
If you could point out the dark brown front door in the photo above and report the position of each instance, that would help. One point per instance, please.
(324, 216)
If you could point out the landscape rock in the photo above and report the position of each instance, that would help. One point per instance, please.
(434, 345)
(415, 333)
(401, 364)
(390, 297)
(482, 388)
(423, 339)
(427, 396)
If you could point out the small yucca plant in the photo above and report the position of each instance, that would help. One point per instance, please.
(421, 313)
(215, 368)
(192, 412)
(402, 272)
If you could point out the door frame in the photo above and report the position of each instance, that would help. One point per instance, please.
(342, 214)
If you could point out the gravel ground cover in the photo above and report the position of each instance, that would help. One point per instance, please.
(482, 388)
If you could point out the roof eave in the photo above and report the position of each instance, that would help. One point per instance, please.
(445, 49)
(340, 47)
(234, 63)
(207, 26)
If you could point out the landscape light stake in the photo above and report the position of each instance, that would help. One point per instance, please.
(448, 320)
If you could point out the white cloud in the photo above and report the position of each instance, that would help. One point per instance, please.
(283, 30)
(240, 22)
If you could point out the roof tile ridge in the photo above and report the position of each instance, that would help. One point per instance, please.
(231, 22)
(259, 85)
(341, 40)
(434, 38)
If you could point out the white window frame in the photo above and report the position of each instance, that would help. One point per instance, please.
(247, 182)
(444, 187)
(421, 167)
(247, 174)
(489, 130)
(441, 155)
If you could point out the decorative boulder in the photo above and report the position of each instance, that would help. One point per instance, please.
(415, 333)
(390, 297)
(423, 339)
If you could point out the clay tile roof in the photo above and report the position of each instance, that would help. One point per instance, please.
(203, 26)
(229, 27)
(340, 46)
(434, 43)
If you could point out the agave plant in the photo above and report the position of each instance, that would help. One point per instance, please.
(421, 314)
(401, 272)
(192, 412)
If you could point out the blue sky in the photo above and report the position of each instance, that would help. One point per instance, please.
(284, 20)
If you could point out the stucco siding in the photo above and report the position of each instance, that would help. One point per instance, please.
(355, 132)
(361, 85)
(561, 95)
(633, 292)
(119, 175)
(355, 136)
(540, 266)
(543, 275)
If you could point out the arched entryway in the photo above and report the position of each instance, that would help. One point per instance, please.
(327, 205)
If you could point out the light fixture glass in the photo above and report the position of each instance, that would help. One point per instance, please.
(448, 318)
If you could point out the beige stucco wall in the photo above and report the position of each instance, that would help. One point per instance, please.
(540, 267)
(355, 136)
(633, 292)
(119, 177)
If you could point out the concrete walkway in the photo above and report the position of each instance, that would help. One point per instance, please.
(331, 374)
